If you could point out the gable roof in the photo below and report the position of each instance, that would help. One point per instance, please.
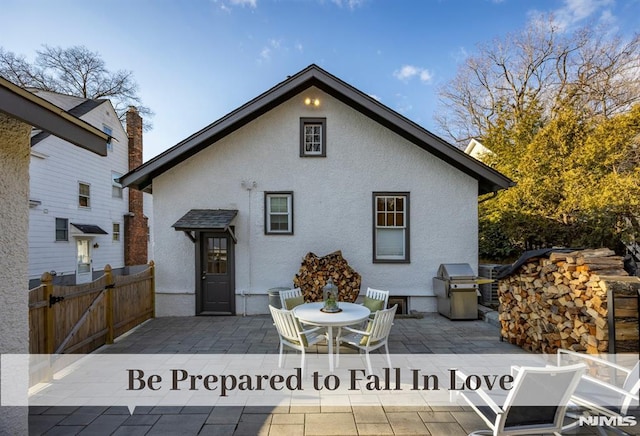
(142, 177)
(35, 111)
(77, 111)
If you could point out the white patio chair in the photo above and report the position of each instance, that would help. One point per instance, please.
(294, 296)
(375, 336)
(536, 403)
(600, 397)
(292, 334)
(378, 294)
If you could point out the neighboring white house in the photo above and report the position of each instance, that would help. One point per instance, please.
(77, 206)
(311, 165)
(19, 110)
(477, 150)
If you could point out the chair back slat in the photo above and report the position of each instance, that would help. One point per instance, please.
(378, 294)
(382, 322)
(285, 323)
(289, 293)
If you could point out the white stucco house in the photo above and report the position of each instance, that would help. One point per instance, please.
(311, 165)
(78, 211)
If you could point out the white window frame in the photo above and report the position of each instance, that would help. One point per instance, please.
(268, 196)
(116, 188)
(109, 131)
(81, 195)
(389, 218)
(115, 234)
(321, 123)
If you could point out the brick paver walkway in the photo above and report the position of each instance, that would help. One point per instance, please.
(256, 334)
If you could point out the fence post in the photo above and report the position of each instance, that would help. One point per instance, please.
(49, 316)
(108, 272)
(152, 267)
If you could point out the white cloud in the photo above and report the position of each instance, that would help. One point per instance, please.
(408, 72)
(265, 54)
(226, 5)
(250, 3)
(351, 4)
(273, 46)
(576, 12)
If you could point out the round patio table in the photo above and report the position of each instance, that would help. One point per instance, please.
(351, 313)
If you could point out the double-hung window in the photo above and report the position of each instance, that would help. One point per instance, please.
(391, 227)
(313, 137)
(278, 213)
(116, 187)
(115, 232)
(62, 229)
(84, 194)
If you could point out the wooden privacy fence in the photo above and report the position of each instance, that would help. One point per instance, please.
(79, 319)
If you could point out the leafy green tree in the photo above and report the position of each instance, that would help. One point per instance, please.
(559, 110)
(578, 184)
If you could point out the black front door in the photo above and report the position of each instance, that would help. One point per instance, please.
(217, 288)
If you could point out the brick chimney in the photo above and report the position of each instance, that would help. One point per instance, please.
(135, 223)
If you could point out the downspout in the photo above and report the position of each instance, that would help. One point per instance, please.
(249, 186)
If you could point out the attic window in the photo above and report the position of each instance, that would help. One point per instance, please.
(106, 129)
(313, 137)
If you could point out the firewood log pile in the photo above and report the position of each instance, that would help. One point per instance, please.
(316, 271)
(559, 302)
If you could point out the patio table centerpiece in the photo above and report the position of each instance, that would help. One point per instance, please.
(330, 298)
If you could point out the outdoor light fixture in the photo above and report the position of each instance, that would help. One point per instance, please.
(312, 101)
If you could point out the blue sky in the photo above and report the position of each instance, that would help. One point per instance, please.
(196, 60)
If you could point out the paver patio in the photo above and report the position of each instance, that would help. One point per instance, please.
(431, 333)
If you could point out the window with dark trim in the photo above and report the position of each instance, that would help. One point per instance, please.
(62, 229)
(313, 137)
(278, 213)
(391, 227)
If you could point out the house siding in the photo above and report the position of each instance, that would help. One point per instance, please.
(332, 206)
(56, 168)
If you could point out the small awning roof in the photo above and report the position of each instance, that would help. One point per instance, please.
(89, 229)
(206, 219)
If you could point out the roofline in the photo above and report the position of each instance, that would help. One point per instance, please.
(489, 179)
(36, 111)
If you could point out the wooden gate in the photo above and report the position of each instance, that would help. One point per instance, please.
(79, 319)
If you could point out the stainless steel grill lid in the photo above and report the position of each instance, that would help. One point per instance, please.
(456, 271)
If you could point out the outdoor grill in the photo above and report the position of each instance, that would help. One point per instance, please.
(456, 288)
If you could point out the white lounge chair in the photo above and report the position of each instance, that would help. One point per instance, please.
(604, 396)
(536, 404)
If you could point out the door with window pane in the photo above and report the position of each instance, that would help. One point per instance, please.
(83, 266)
(217, 293)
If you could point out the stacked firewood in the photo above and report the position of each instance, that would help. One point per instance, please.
(316, 271)
(559, 302)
